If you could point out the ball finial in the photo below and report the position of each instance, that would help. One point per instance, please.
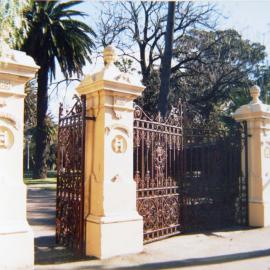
(109, 55)
(255, 92)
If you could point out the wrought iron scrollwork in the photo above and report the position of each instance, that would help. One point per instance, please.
(157, 145)
(188, 179)
(70, 177)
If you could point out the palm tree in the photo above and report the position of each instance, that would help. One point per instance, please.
(54, 34)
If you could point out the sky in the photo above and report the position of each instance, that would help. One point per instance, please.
(250, 18)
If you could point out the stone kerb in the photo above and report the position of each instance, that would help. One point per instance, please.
(16, 237)
(257, 116)
(113, 226)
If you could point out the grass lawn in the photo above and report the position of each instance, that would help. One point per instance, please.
(30, 181)
(51, 179)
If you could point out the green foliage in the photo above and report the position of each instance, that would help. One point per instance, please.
(216, 71)
(263, 80)
(125, 65)
(241, 96)
(11, 20)
(30, 120)
(52, 132)
(149, 99)
(53, 34)
(28, 181)
(219, 79)
(226, 61)
(30, 104)
(30, 133)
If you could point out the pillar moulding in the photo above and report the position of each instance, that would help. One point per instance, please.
(113, 225)
(16, 236)
(257, 116)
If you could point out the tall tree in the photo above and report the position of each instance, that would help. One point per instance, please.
(166, 60)
(225, 68)
(54, 35)
(138, 30)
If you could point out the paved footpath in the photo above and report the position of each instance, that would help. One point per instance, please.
(228, 250)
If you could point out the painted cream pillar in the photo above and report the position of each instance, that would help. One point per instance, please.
(16, 236)
(257, 116)
(113, 225)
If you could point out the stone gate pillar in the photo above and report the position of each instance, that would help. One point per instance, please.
(113, 225)
(16, 237)
(257, 116)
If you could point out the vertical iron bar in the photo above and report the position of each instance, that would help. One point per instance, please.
(57, 237)
(83, 236)
(246, 169)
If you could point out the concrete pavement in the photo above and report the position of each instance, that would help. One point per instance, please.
(241, 249)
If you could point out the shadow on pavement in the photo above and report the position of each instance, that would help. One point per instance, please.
(47, 252)
(41, 215)
(185, 263)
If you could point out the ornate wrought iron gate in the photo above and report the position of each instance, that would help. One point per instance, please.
(157, 149)
(188, 180)
(214, 184)
(70, 178)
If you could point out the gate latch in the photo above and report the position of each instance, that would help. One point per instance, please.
(93, 118)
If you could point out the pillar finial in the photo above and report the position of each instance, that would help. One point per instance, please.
(255, 92)
(109, 55)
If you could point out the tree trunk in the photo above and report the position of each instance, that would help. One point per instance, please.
(166, 61)
(40, 170)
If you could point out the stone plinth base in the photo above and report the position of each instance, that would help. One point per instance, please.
(17, 250)
(112, 236)
(16, 236)
(259, 214)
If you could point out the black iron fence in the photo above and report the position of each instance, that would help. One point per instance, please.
(214, 179)
(188, 179)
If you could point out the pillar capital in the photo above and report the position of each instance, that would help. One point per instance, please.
(110, 81)
(255, 109)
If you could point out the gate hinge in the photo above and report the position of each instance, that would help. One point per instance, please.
(93, 118)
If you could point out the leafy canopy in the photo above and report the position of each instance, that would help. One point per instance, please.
(10, 20)
(55, 33)
(226, 62)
